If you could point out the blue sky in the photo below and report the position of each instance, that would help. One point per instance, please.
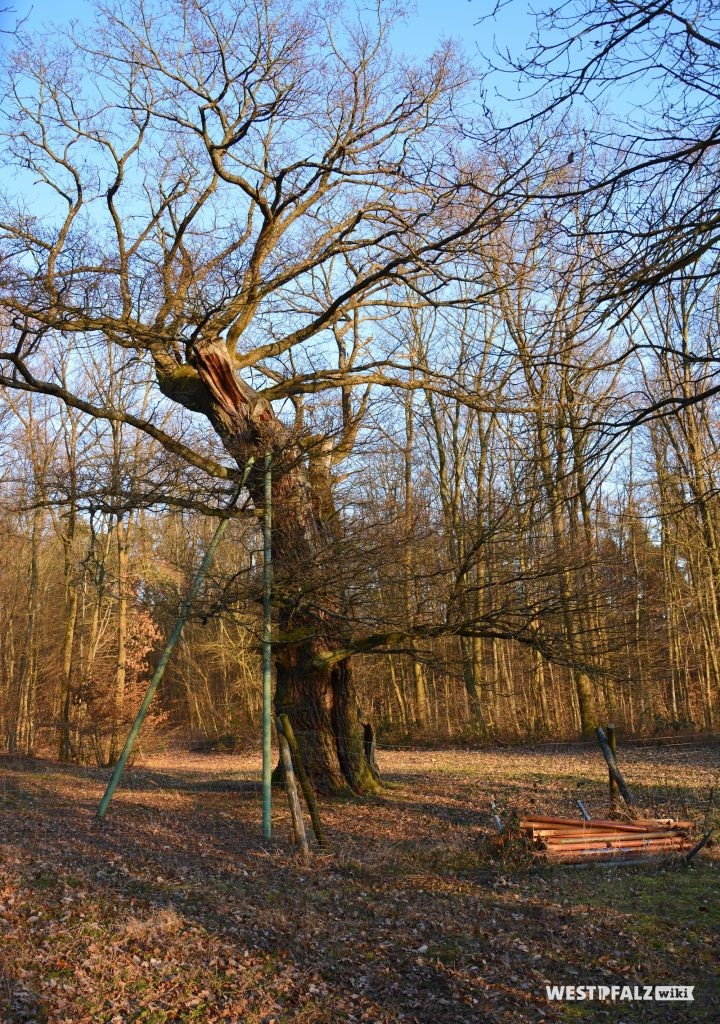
(433, 20)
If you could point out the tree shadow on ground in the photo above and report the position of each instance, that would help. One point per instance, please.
(401, 915)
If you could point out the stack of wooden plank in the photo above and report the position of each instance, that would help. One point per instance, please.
(567, 839)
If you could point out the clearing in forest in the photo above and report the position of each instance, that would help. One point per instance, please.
(174, 910)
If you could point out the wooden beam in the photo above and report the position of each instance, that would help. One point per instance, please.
(302, 775)
(292, 794)
(613, 768)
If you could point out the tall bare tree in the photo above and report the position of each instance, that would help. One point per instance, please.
(218, 186)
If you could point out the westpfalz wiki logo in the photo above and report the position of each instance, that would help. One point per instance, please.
(616, 993)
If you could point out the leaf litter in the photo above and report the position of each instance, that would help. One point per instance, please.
(174, 910)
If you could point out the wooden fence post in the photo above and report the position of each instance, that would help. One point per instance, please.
(613, 768)
(612, 743)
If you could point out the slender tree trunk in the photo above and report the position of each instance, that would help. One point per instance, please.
(123, 561)
(71, 611)
(422, 704)
(66, 531)
(471, 668)
(23, 734)
(397, 690)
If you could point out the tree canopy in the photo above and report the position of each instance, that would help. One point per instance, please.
(251, 227)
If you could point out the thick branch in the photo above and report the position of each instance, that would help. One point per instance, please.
(28, 382)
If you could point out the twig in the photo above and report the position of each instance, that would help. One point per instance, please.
(697, 847)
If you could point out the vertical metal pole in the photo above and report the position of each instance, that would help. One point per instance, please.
(169, 646)
(267, 653)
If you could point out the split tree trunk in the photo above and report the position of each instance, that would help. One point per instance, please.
(316, 693)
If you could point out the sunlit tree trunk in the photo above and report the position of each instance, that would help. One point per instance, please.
(22, 736)
(71, 613)
(122, 532)
(314, 685)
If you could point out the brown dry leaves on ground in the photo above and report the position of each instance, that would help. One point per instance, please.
(174, 910)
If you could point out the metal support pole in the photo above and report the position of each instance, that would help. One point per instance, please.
(169, 646)
(267, 653)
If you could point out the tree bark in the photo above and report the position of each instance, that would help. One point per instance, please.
(123, 561)
(317, 695)
(71, 611)
(22, 737)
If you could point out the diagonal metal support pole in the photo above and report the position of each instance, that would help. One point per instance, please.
(170, 645)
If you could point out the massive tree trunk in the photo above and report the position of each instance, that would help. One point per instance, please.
(312, 688)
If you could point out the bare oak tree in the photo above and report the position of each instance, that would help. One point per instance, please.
(216, 187)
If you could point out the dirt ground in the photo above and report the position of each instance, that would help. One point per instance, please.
(173, 909)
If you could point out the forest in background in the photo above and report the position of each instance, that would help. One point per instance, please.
(510, 445)
(584, 560)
